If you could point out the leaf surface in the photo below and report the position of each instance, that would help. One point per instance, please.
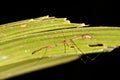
(39, 43)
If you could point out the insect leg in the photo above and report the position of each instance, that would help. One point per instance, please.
(82, 52)
(78, 49)
(76, 45)
(45, 51)
(64, 47)
(38, 50)
(46, 47)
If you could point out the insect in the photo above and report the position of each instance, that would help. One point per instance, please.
(73, 46)
(65, 42)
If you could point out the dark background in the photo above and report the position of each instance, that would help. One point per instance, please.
(92, 12)
(95, 13)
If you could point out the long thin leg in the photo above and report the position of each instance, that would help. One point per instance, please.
(64, 42)
(45, 52)
(37, 50)
(64, 48)
(42, 55)
(81, 51)
(50, 46)
(76, 46)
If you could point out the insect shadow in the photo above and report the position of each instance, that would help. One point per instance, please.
(104, 58)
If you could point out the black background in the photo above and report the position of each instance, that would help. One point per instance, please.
(91, 12)
(95, 13)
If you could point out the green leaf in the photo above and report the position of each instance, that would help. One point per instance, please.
(30, 65)
(39, 43)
